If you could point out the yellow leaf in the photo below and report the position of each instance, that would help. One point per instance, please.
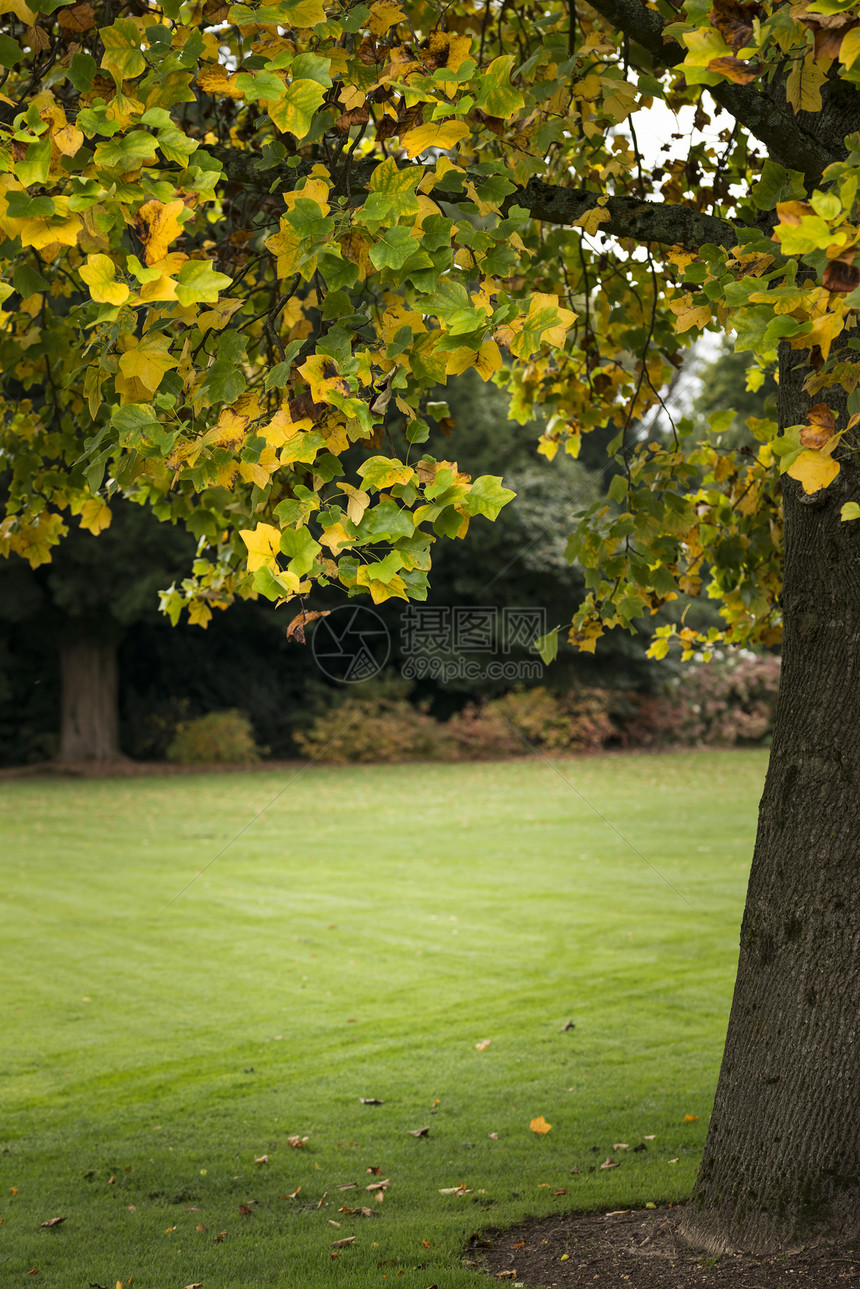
(814, 470)
(216, 318)
(384, 15)
(95, 515)
(68, 140)
(148, 361)
(158, 225)
(199, 615)
(435, 134)
(488, 360)
(540, 1124)
(690, 314)
(335, 537)
(163, 287)
(264, 545)
(849, 50)
(351, 97)
(803, 84)
(216, 80)
(99, 273)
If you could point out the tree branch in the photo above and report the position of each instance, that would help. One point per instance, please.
(629, 217)
(642, 221)
(773, 124)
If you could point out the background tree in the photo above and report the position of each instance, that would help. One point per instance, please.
(241, 240)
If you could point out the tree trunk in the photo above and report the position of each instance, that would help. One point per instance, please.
(782, 1159)
(89, 729)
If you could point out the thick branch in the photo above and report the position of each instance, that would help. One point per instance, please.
(773, 124)
(641, 221)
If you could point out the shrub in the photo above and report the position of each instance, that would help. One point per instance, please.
(373, 728)
(573, 722)
(218, 737)
(724, 703)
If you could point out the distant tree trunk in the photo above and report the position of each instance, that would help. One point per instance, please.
(782, 1159)
(89, 728)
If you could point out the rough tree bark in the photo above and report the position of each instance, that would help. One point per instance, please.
(89, 727)
(782, 1159)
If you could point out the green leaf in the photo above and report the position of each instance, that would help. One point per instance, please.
(81, 72)
(547, 646)
(126, 154)
(11, 52)
(298, 544)
(27, 281)
(392, 194)
(393, 249)
(496, 96)
(849, 511)
(34, 166)
(294, 113)
(777, 184)
(487, 496)
(122, 56)
(199, 283)
(260, 87)
(20, 205)
(385, 522)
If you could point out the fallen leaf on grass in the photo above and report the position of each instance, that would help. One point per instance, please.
(111, 1180)
(567, 1025)
(219, 1237)
(673, 1161)
(426, 1244)
(691, 1118)
(378, 1186)
(462, 1189)
(540, 1124)
(561, 1191)
(296, 1143)
(506, 1275)
(168, 1229)
(374, 1168)
(34, 1272)
(332, 1222)
(371, 1101)
(483, 1044)
(418, 1132)
(652, 1137)
(494, 1136)
(359, 1212)
(292, 1194)
(200, 1227)
(340, 1244)
(323, 1200)
(347, 1186)
(198, 1284)
(53, 1221)
(620, 1145)
(261, 1159)
(245, 1210)
(194, 1208)
(609, 1162)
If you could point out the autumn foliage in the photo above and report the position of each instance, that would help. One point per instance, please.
(244, 246)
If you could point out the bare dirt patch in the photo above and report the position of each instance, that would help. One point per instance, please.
(642, 1250)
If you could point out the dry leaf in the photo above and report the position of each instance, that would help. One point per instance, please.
(841, 276)
(53, 1221)
(295, 1142)
(374, 1168)
(561, 1191)
(619, 1212)
(111, 1180)
(168, 1229)
(418, 1132)
(296, 629)
(567, 1025)
(651, 1137)
(263, 1159)
(609, 1162)
(359, 1212)
(506, 1275)
(378, 1186)
(339, 1244)
(292, 1194)
(694, 1118)
(347, 1186)
(323, 1200)
(483, 1044)
(198, 1284)
(540, 1125)
(245, 1210)
(674, 1161)
(426, 1244)
(200, 1227)
(620, 1145)
(462, 1189)
(494, 1136)
(371, 1101)
(219, 1237)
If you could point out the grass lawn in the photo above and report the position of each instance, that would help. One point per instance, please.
(358, 939)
